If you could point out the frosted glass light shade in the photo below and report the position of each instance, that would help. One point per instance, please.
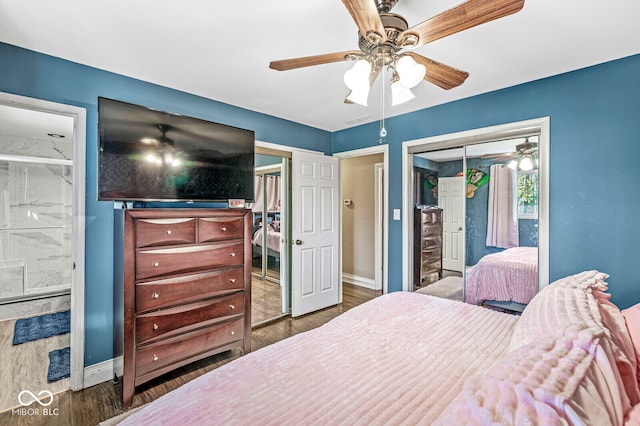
(359, 96)
(400, 94)
(513, 165)
(410, 72)
(358, 76)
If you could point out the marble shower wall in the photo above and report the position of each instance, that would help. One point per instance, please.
(35, 217)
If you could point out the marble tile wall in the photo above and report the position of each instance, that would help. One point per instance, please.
(35, 220)
(61, 149)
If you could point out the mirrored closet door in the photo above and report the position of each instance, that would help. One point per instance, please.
(270, 227)
(488, 196)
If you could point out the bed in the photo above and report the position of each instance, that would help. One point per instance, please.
(273, 235)
(273, 240)
(409, 358)
(508, 276)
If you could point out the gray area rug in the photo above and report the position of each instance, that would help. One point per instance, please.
(448, 288)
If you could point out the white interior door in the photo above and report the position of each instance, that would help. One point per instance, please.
(315, 232)
(451, 200)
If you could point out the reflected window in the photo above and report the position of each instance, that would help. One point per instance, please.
(527, 194)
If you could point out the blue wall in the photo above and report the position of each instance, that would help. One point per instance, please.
(594, 152)
(27, 73)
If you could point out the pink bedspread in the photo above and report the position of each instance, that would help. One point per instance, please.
(398, 359)
(273, 239)
(508, 276)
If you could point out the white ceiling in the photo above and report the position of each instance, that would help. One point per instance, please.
(221, 50)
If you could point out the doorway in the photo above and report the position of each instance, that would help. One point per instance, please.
(375, 162)
(465, 142)
(42, 202)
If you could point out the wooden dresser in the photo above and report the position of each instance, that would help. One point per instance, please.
(182, 289)
(427, 245)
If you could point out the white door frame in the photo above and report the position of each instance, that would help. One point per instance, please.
(378, 221)
(487, 134)
(379, 149)
(79, 116)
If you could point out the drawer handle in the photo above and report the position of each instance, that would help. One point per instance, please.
(232, 254)
(168, 231)
(156, 264)
(223, 229)
(232, 332)
(155, 326)
(232, 307)
(232, 280)
(155, 295)
(155, 357)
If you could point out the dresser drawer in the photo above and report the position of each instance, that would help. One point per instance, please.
(431, 216)
(220, 228)
(185, 346)
(431, 241)
(178, 290)
(180, 319)
(158, 262)
(155, 232)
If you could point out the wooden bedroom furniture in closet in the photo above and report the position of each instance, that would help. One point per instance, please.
(427, 244)
(182, 283)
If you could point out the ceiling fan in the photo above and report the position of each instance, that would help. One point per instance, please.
(383, 35)
(523, 157)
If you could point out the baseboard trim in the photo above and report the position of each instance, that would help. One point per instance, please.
(100, 372)
(369, 283)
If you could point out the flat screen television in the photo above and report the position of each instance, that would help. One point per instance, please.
(150, 155)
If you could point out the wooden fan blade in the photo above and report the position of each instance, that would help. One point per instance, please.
(505, 155)
(307, 61)
(440, 74)
(372, 77)
(366, 16)
(462, 17)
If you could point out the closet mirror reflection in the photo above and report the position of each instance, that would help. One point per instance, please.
(270, 225)
(488, 197)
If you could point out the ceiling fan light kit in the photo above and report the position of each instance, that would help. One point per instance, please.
(359, 96)
(399, 92)
(358, 76)
(382, 35)
(410, 72)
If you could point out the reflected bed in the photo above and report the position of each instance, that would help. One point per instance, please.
(507, 276)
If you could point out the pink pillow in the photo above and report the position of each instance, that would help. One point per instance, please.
(632, 317)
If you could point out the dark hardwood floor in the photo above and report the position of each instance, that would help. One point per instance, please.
(101, 402)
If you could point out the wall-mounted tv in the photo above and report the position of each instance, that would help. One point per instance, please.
(150, 155)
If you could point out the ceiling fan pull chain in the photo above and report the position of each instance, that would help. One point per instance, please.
(383, 131)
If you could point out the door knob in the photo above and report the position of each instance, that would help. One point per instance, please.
(460, 229)
(298, 242)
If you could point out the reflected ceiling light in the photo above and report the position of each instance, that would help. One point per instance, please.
(526, 164)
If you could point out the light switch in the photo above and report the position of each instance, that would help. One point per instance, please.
(396, 214)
